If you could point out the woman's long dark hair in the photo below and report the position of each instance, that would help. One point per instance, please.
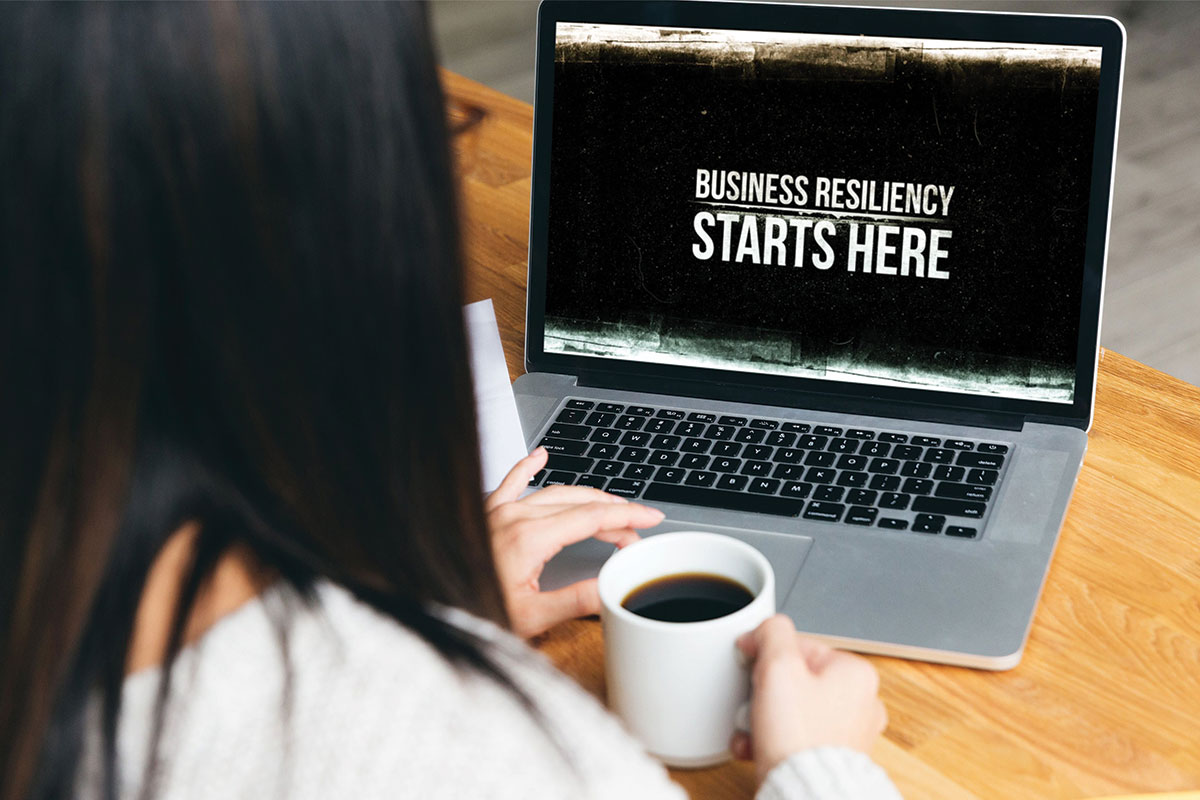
(230, 294)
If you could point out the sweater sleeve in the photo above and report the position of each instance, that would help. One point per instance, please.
(828, 773)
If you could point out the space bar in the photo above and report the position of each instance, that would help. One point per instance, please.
(715, 498)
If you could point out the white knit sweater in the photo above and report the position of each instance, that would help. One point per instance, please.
(373, 711)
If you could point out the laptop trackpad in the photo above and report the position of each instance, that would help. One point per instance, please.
(785, 551)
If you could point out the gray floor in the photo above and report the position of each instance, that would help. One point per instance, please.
(1152, 300)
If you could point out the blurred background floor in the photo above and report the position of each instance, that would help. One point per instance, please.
(1152, 297)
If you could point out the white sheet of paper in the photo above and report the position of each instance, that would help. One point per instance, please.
(501, 440)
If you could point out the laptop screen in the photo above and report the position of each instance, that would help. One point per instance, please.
(897, 212)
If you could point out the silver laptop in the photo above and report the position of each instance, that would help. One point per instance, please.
(827, 280)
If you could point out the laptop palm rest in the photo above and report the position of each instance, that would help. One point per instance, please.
(786, 552)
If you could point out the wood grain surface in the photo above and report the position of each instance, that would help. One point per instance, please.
(1107, 698)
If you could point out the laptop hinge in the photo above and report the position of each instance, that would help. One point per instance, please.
(757, 395)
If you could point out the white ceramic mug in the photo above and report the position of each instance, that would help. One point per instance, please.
(679, 685)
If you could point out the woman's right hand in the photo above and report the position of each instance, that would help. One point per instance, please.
(805, 694)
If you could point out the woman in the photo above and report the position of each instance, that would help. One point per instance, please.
(242, 547)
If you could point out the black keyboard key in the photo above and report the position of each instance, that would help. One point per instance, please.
(605, 435)
(610, 408)
(788, 455)
(852, 462)
(812, 442)
(964, 491)
(884, 466)
(827, 430)
(945, 472)
(894, 438)
(608, 468)
(820, 475)
(696, 446)
(726, 464)
(696, 416)
(796, 490)
(820, 458)
(780, 439)
(950, 508)
(568, 447)
(640, 411)
(938, 455)
(857, 515)
(662, 458)
(537, 477)
(734, 483)
(906, 452)
(765, 424)
(664, 442)
(630, 423)
(719, 432)
(893, 523)
(639, 471)
(984, 476)
(700, 478)
(750, 435)
(715, 498)
(958, 444)
(896, 502)
(829, 494)
(916, 469)
(624, 487)
(693, 461)
(633, 454)
(763, 486)
(849, 478)
(659, 425)
(559, 479)
(561, 430)
(568, 463)
(928, 523)
(861, 497)
(987, 447)
(726, 449)
(670, 413)
(598, 420)
(843, 445)
(758, 452)
(581, 404)
(637, 439)
(917, 486)
(690, 429)
(594, 481)
(789, 472)
(669, 475)
(980, 460)
(796, 427)
(885, 483)
(926, 441)
(735, 421)
(756, 468)
(961, 532)
(829, 512)
(859, 433)
(571, 415)
(875, 449)
(599, 450)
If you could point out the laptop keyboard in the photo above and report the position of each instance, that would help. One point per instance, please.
(856, 476)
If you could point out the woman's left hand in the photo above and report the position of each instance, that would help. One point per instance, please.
(527, 532)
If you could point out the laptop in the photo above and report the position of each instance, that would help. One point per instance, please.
(827, 280)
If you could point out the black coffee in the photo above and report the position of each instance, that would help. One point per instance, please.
(688, 597)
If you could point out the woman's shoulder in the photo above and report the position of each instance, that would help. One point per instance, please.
(334, 698)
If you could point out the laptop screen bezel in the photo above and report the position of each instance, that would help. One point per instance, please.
(1100, 32)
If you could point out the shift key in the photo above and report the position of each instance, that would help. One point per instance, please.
(568, 463)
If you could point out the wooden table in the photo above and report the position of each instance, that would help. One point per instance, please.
(1107, 698)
